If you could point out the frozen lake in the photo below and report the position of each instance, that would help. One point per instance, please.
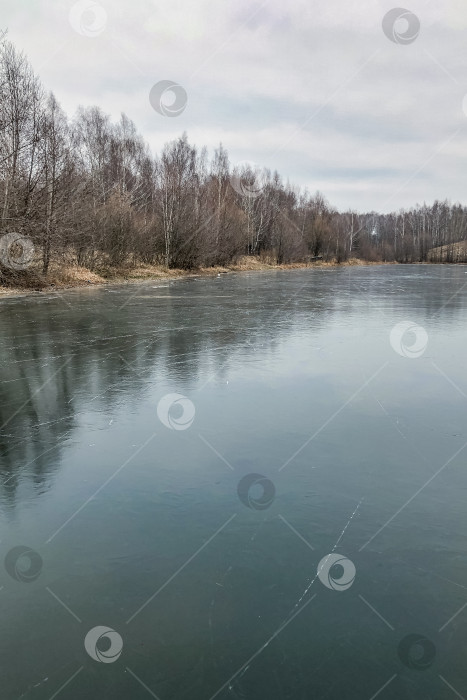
(255, 482)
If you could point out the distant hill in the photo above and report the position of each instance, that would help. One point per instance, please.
(454, 252)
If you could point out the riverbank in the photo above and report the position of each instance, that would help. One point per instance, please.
(63, 277)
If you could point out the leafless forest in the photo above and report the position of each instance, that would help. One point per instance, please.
(87, 190)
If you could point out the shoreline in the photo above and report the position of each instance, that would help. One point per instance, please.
(74, 277)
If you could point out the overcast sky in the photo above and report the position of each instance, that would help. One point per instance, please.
(314, 89)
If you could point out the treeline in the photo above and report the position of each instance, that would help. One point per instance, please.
(90, 191)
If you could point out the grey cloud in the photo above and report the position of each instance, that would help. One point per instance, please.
(255, 78)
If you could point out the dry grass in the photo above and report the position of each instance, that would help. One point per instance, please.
(251, 263)
(67, 275)
(59, 277)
